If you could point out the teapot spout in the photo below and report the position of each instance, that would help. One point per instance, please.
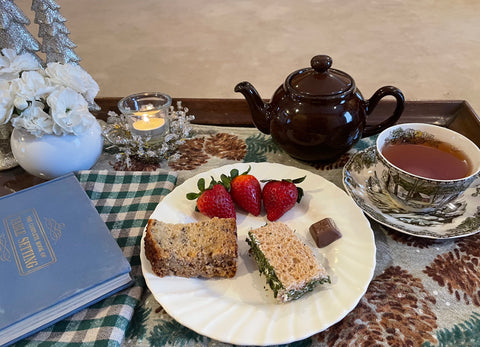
(258, 108)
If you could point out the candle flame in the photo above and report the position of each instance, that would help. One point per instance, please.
(149, 123)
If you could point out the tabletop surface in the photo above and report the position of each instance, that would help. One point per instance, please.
(424, 291)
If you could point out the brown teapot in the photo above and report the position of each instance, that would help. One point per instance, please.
(318, 113)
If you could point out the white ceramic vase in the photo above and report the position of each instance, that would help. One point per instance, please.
(52, 156)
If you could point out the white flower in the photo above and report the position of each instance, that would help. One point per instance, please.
(73, 76)
(30, 87)
(11, 64)
(6, 102)
(69, 111)
(45, 101)
(35, 120)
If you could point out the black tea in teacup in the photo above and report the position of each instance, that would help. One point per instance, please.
(436, 160)
(424, 166)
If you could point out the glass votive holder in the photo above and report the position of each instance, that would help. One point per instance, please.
(147, 114)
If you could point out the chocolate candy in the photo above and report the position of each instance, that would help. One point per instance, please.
(324, 232)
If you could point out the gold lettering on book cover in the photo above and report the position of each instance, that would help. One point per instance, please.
(29, 242)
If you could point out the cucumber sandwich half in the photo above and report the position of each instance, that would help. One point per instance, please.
(290, 267)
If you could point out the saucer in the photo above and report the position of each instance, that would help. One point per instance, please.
(457, 219)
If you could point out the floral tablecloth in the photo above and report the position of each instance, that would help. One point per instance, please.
(424, 292)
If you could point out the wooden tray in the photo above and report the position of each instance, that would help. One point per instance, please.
(454, 114)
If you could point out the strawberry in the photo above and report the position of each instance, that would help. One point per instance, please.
(214, 200)
(279, 196)
(245, 191)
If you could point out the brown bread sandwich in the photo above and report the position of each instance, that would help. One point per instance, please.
(202, 249)
(290, 267)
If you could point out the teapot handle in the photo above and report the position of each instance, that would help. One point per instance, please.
(372, 103)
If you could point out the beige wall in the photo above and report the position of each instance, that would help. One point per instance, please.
(200, 48)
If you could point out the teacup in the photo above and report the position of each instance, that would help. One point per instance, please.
(423, 167)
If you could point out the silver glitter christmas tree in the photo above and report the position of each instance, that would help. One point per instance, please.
(56, 44)
(13, 30)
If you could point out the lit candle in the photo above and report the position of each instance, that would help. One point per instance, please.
(148, 124)
(147, 114)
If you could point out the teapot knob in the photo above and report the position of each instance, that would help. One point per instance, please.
(321, 63)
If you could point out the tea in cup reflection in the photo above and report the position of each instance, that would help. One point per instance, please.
(423, 166)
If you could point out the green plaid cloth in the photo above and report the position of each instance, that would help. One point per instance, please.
(124, 200)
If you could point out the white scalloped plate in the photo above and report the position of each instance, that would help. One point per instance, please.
(241, 310)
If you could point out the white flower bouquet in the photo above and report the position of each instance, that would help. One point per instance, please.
(52, 100)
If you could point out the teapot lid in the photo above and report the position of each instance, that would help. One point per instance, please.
(320, 80)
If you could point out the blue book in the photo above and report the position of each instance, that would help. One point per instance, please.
(57, 256)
